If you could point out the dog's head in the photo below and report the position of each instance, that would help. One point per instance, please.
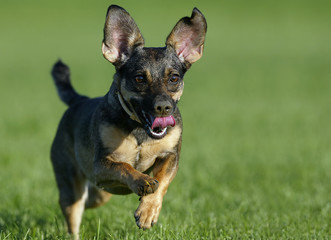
(150, 80)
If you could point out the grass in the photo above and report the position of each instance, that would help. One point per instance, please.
(256, 156)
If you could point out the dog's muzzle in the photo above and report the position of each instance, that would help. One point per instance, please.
(156, 127)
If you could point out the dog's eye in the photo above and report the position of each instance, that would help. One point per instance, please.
(139, 79)
(174, 78)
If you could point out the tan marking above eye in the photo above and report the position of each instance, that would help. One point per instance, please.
(149, 77)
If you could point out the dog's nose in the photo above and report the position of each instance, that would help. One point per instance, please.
(163, 107)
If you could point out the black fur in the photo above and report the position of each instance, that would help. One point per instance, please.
(111, 145)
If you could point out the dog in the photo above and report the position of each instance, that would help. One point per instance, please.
(128, 141)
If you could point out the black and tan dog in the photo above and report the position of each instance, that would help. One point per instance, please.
(129, 140)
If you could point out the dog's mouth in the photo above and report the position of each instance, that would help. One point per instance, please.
(156, 127)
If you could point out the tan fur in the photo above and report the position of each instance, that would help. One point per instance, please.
(149, 76)
(150, 206)
(149, 210)
(154, 148)
(124, 148)
(176, 96)
(102, 145)
(74, 213)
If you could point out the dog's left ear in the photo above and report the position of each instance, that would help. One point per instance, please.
(121, 36)
(188, 37)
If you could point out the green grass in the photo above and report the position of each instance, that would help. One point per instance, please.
(256, 156)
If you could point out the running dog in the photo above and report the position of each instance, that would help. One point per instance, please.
(128, 141)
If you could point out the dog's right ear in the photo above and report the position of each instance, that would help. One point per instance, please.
(121, 36)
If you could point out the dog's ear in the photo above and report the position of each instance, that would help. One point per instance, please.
(121, 36)
(188, 37)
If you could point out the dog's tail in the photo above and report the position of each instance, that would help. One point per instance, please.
(61, 77)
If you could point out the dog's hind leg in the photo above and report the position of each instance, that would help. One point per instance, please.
(73, 206)
(96, 197)
(72, 184)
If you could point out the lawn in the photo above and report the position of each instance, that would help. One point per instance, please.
(256, 154)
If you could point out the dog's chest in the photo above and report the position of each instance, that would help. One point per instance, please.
(125, 148)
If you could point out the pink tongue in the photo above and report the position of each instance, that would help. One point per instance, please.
(164, 122)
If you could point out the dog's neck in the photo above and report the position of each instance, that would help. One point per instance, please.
(118, 116)
(125, 107)
(119, 109)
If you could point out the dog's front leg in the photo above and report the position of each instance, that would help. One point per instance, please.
(111, 174)
(150, 205)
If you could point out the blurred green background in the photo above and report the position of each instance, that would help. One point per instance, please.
(256, 155)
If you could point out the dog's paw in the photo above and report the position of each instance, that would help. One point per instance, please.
(148, 211)
(145, 185)
(60, 72)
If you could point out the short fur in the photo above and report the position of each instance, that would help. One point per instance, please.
(102, 149)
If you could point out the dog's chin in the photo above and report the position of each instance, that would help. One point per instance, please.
(156, 133)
